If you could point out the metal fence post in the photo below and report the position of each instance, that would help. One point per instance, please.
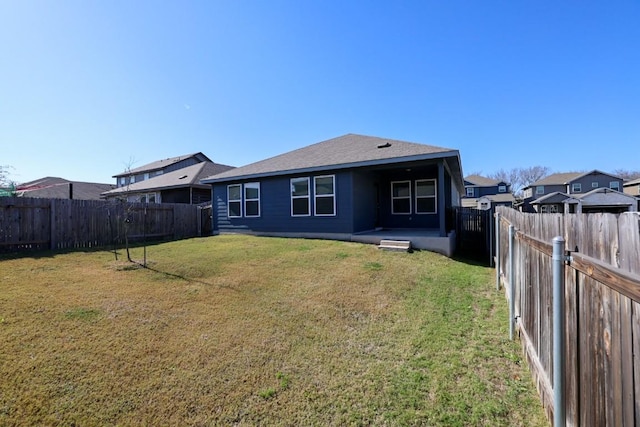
(512, 281)
(558, 332)
(497, 263)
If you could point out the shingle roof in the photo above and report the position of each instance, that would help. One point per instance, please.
(557, 179)
(58, 188)
(189, 176)
(481, 181)
(632, 182)
(161, 164)
(342, 152)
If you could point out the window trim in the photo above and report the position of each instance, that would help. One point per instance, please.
(502, 188)
(472, 192)
(595, 184)
(410, 197)
(616, 187)
(307, 196)
(434, 197)
(255, 185)
(229, 201)
(539, 189)
(316, 196)
(576, 187)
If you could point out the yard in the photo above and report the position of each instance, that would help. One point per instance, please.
(237, 330)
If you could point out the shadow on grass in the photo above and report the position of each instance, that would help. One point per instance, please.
(186, 279)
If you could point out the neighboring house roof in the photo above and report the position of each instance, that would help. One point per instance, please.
(161, 164)
(632, 182)
(189, 176)
(597, 197)
(557, 179)
(58, 188)
(567, 178)
(343, 152)
(482, 181)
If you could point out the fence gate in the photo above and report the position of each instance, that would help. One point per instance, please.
(474, 236)
(206, 220)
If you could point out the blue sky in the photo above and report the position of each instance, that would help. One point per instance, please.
(89, 88)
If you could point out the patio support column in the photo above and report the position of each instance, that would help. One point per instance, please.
(441, 199)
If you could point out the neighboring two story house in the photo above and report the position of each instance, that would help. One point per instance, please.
(51, 187)
(484, 193)
(173, 180)
(577, 192)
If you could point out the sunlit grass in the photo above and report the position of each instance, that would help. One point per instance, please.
(237, 330)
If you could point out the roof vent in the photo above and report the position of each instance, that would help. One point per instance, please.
(183, 177)
(385, 145)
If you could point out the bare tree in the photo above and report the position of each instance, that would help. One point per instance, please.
(627, 174)
(520, 178)
(7, 185)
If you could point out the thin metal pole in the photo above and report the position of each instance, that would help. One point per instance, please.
(559, 418)
(512, 282)
(497, 263)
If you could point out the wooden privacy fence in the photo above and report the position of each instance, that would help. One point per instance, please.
(28, 224)
(601, 319)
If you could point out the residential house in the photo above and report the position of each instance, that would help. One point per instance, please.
(353, 187)
(633, 188)
(59, 188)
(173, 180)
(576, 192)
(484, 193)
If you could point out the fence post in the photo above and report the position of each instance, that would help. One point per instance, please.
(52, 225)
(558, 333)
(512, 281)
(497, 262)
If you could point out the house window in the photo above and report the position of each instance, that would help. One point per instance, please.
(300, 200)
(469, 192)
(132, 179)
(426, 196)
(502, 188)
(401, 197)
(594, 184)
(614, 185)
(151, 198)
(576, 187)
(234, 200)
(325, 195)
(544, 209)
(123, 181)
(252, 199)
(540, 189)
(553, 209)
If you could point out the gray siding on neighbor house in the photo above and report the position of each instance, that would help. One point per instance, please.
(548, 189)
(586, 183)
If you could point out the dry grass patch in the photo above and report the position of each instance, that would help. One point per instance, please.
(238, 330)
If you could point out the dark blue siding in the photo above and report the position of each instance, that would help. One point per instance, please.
(275, 204)
(365, 190)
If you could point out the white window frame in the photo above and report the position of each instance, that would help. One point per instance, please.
(470, 192)
(595, 184)
(229, 201)
(553, 209)
(317, 196)
(502, 188)
(614, 185)
(393, 212)
(576, 187)
(434, 197)
(539, 189)
(307, 196)
(251, 185)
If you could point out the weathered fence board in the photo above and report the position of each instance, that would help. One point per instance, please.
(56, 224)
(602, 309)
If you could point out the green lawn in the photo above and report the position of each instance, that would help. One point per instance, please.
(238, 330)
